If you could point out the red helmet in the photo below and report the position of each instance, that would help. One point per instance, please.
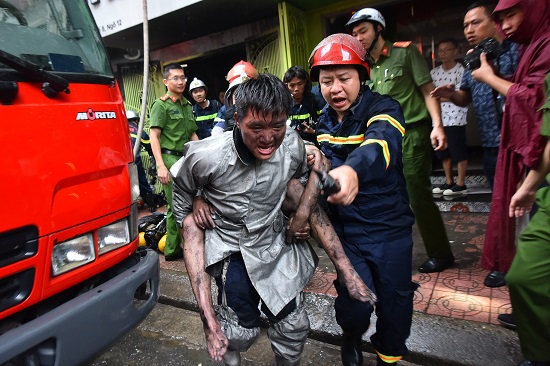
(337, 49)
(241, 71)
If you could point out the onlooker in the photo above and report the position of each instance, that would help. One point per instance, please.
(306, 107)
(204, 110)
(400, 71)
(488, 104)
(526, 22)
(172, 125)
(244, 176)
(221, 97)
(145, 190)
(454, 120)
(529, 275)
(361, 134)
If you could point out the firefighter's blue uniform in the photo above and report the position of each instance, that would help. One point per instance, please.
(144, 187)
(376, 229)
(205, 118)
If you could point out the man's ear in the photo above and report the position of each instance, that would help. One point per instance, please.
(236, 120)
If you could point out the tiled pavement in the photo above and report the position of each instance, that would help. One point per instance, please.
(457, 292)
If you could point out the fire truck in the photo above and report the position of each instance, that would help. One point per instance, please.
(72, 276)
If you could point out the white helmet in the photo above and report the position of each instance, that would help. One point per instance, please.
(366, 15)
(130, 115)
(196, 83)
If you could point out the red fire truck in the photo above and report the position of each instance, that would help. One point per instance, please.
(72, 279)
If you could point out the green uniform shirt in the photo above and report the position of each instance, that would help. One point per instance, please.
(399, 73)
(175, 118)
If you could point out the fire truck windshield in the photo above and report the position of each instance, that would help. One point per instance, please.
(58, 36)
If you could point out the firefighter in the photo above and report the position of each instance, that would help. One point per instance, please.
(205, 110)
(306, 106)
(145, 190)
(361, 133)
(240, 72)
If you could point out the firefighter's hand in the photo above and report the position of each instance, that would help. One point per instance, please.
(349, 185)
(163, 174)
(307, 128)
(202, 213)
(298, 229)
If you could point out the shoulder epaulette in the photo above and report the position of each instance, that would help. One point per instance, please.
(403, 44)
(164, 98)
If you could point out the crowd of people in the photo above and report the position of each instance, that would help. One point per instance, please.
(247, 186)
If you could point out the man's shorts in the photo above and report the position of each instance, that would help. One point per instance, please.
(456, 144)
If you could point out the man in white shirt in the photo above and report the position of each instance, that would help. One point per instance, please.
(454, 120)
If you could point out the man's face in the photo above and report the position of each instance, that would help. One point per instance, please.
(176, 81)
(340, 87)
(364, 32)
(199, 94)
(478, 26)
(510, 19)
(297, 88)
(262, 134)
(447, 52)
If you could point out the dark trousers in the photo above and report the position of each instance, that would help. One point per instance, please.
(242, 298)
(144, 187)
(385, 268)
(417, 158)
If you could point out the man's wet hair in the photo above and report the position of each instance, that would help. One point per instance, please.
(488, 5)
(263, 95)
(300, 73)
(169, 67)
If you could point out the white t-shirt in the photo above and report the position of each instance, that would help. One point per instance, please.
(451, 114)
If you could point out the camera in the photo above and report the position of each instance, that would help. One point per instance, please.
(489, 46)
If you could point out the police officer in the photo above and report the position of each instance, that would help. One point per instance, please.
(172, 125)
(361, 133)
(204, 110)
(399, 71)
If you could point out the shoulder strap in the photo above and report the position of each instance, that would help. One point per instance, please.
(403, 44)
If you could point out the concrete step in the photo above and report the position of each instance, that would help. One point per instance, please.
(478, 198)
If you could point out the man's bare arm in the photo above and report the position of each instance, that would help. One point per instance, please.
(324, 233)
(459, 97)
(193, 253)
(311, 193)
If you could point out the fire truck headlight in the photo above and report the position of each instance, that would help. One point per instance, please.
(113, 236)
(72, 253)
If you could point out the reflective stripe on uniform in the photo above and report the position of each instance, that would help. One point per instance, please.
(389, 359)
(299, 116)
(349, 140)
(207, 117)
(385, 148)
(386, 117)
